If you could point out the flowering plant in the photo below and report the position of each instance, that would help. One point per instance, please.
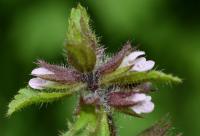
(104, 84)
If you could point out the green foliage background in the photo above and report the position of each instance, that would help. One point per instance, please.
(168, 30)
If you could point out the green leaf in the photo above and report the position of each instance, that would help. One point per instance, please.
(27, 97)
(81, 57)
(89, 123)
(81, 41)
(68, 88)
(85, 123)
(138, 77)
(108, 78)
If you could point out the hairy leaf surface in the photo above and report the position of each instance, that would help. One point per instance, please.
(89, 123)
(27, 97)
(81, 41)
(123, 78)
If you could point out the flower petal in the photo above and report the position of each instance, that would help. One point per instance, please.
(129, 60)
(38, 83)
(134, 55)
(138, 97)
(148, 98)
(143, 107)
(142, 65)
(41, 71)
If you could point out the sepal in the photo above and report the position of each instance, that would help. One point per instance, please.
(115, 61)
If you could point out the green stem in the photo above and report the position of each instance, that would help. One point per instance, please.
(111, 125)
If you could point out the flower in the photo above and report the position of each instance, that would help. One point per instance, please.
(41, 71)
(139, 64)
(143, 103)
(52, 76)
(138, 102)
(38, 83)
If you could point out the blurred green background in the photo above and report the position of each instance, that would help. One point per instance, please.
(168, 30)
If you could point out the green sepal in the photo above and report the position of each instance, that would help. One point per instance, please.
(27, 97)
(139, 77)
(81, 41)
(89, 122)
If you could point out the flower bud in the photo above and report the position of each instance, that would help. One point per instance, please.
(38, 83)
(137, 102)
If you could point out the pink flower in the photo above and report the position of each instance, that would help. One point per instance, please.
(143, 103)
(139, 64)
(41, 71)
(39, 83)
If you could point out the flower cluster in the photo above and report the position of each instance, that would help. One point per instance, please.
(53, 76)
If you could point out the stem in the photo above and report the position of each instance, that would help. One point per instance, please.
(111, 125)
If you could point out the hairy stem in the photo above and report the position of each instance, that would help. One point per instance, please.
(111, 125)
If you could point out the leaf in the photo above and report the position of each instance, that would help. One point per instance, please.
(81, 41)
(27, 97)
(107, 79)
(161, 128)
(89, 123)
(68, 88)
(85, 123)
(139, 77)
(79, 30)
(83, 58)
